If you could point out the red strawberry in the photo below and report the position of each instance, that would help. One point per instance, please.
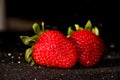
(90, 46)
(53, 49)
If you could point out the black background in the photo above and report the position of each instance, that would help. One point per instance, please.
(66, 13)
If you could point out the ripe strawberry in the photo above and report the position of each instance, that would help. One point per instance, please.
(89, 45)
(51, 49)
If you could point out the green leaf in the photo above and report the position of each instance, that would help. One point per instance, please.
(70, 31)
(28, 56)
(32, 63)
(25, 39)
(77, 27)
(34, 38)
(28, 59)
(36, 28)
(88, 25)
(95, 30)
(29, 40)
(28, 53)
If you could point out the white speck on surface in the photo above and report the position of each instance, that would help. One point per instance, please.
(9, 54)
(35, 79)
(5, 75)
(19, 62)
(109, 56)
(12, 62)
(12, 57)
(35, 67)
(112, 76)
(102, 70)
(20, 54)
(19, 57)
(62, 74)
(112, 45)
(103, 78)
(3, 60)
(39, 66)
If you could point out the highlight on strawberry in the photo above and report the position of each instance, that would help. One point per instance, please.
(90, 46)
(49, 48)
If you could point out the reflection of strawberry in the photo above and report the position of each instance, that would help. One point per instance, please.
(51, 49)
(89, 45)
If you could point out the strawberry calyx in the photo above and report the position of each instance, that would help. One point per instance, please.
(30, 40)
(88, 26)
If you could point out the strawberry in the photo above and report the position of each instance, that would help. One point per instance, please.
(89, 45)
(50, 48)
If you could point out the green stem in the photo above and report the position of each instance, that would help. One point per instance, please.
(42, 26)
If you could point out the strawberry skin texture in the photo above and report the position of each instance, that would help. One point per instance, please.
(89, 46)
(53, 49)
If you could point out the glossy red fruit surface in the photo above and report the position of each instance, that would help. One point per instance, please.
(53, 49)
(89, 46)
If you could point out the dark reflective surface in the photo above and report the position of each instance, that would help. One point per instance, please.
(14, 67)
